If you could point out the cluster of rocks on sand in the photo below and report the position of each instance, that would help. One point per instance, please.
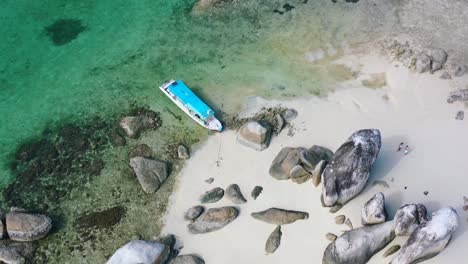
(21, 228)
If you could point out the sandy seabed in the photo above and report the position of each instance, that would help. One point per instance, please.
(410, 108)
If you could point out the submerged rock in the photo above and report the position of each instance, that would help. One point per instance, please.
(286, 159)
(193, 213)
(347, 174)
(142, 252)
(255, 135)
(460, 115)
(141, 150)
(10, 255)
(212, 196)
(103, 219)
(213, 220)
(182, 152)
(430, 238)
(460, 70)
(187, 259)
(359, 245)
(27, 227)
(408, 218)
(458, 95)
(143, 120)
(150, 173)
(274, 240)
(234, 194)
(278, 216)
(373, 211)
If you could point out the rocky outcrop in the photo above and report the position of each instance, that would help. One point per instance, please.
(213, 220)
(347, 174)
(359, 245)
(286, 159)
(234, 194)
(182, 152)
(278, 216)
(140, 251)
(408, 218)
(23, 226)
(193, 213)
(150, 173)
(212, 196)
(429, 238)
(373, 211)
(187, 259)
(274, 240)
(134, 125)
(255, 135)
(312, 156)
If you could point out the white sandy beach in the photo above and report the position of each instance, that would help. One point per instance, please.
(411, 108)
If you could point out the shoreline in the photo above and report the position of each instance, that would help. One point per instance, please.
(411, 108)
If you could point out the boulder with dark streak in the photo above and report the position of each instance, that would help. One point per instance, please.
(357, 246)
(347, 174)
(408, 218)
(429, 238)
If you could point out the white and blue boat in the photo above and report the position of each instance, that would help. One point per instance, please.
(191, 104)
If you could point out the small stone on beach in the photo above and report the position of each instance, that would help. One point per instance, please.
(460, 115)
(212, 196)
(273, 241)
(193, 213)
(426, 193)
(209, 181)
(349, 224)
(234, 194)
(335, 208)
(339, 220)
(257, 190)
(331, 237)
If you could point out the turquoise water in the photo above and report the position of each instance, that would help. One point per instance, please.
(111, 54)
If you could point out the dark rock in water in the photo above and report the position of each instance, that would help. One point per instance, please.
(445, 76)
(347, 174)
(73, 138)
(460, 115)
(392, 250)
(93, 167)
(41, 148)
(278, 216)
(144, 119)
(213, 219)
(212, 196)
(373, 211)
(187, 259)
(141, 150)
(117, 139)
(150, 173)
(193, 213)
(22, 226)
(182, 152)
(359, 245)
(408, 218)
(274, 240)
(103, 219)
(255, 135)
(439, 57)
(288, 7)
(458, 95)
(234, 194)
(257, 190)
(430, 238)
(63, 31)
(286, 159)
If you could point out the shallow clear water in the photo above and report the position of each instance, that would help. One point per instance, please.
(127, 48)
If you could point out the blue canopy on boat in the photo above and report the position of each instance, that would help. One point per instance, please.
(191, 100)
